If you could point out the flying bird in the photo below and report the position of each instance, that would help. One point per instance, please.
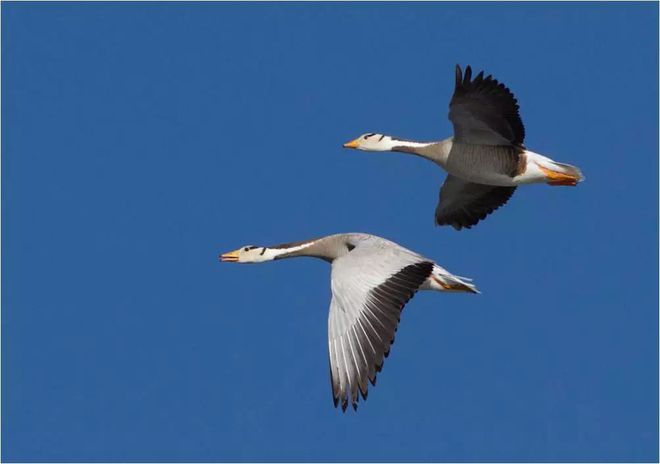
(485, 159)
(372, 279)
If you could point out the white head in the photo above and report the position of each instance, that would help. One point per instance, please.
(249, 254)
(373, 142)
(259, 254)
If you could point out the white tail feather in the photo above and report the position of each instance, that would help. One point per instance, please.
(541, 169)
(443, 281)
(568, 169)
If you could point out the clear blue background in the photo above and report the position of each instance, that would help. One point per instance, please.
(141, 140)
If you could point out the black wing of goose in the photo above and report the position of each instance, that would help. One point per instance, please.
(360, 337)
(484, 111)
(464, 204)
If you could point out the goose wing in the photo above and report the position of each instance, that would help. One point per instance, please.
(370, 286)
(483, 111)
(464, 204)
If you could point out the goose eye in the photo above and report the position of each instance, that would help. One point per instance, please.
(245, 249)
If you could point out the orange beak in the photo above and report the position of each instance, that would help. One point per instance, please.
(352, 144)
(230, 257)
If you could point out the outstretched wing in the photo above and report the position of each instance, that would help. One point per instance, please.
(370, 287)
(464, 204)
(484, 111)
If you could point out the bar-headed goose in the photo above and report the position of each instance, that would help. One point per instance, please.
(485, 159)
(372, 279)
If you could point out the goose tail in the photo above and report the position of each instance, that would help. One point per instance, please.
(443, 281)
(560, 173)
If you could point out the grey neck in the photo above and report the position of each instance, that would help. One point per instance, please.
(434, 151)
(325, 248)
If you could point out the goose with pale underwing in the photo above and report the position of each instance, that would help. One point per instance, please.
(371, 280)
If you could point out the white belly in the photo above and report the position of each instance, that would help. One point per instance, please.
(533, 173)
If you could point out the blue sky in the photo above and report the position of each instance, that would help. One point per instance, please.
(141, 140)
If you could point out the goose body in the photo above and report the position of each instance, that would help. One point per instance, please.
(485, 159)
(372, 279)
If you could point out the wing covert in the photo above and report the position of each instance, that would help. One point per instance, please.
(370, 287)
(484, 111)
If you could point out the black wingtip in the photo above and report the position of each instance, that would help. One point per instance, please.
(459, 76)
(464, 79)
(335, 395)
(467, 77)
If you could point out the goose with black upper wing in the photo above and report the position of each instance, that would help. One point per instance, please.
(485, 159)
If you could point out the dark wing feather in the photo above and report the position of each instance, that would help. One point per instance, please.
(484, 111)
(464, 204)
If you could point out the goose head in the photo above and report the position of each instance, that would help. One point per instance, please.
(372, 142)
(246, 254)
